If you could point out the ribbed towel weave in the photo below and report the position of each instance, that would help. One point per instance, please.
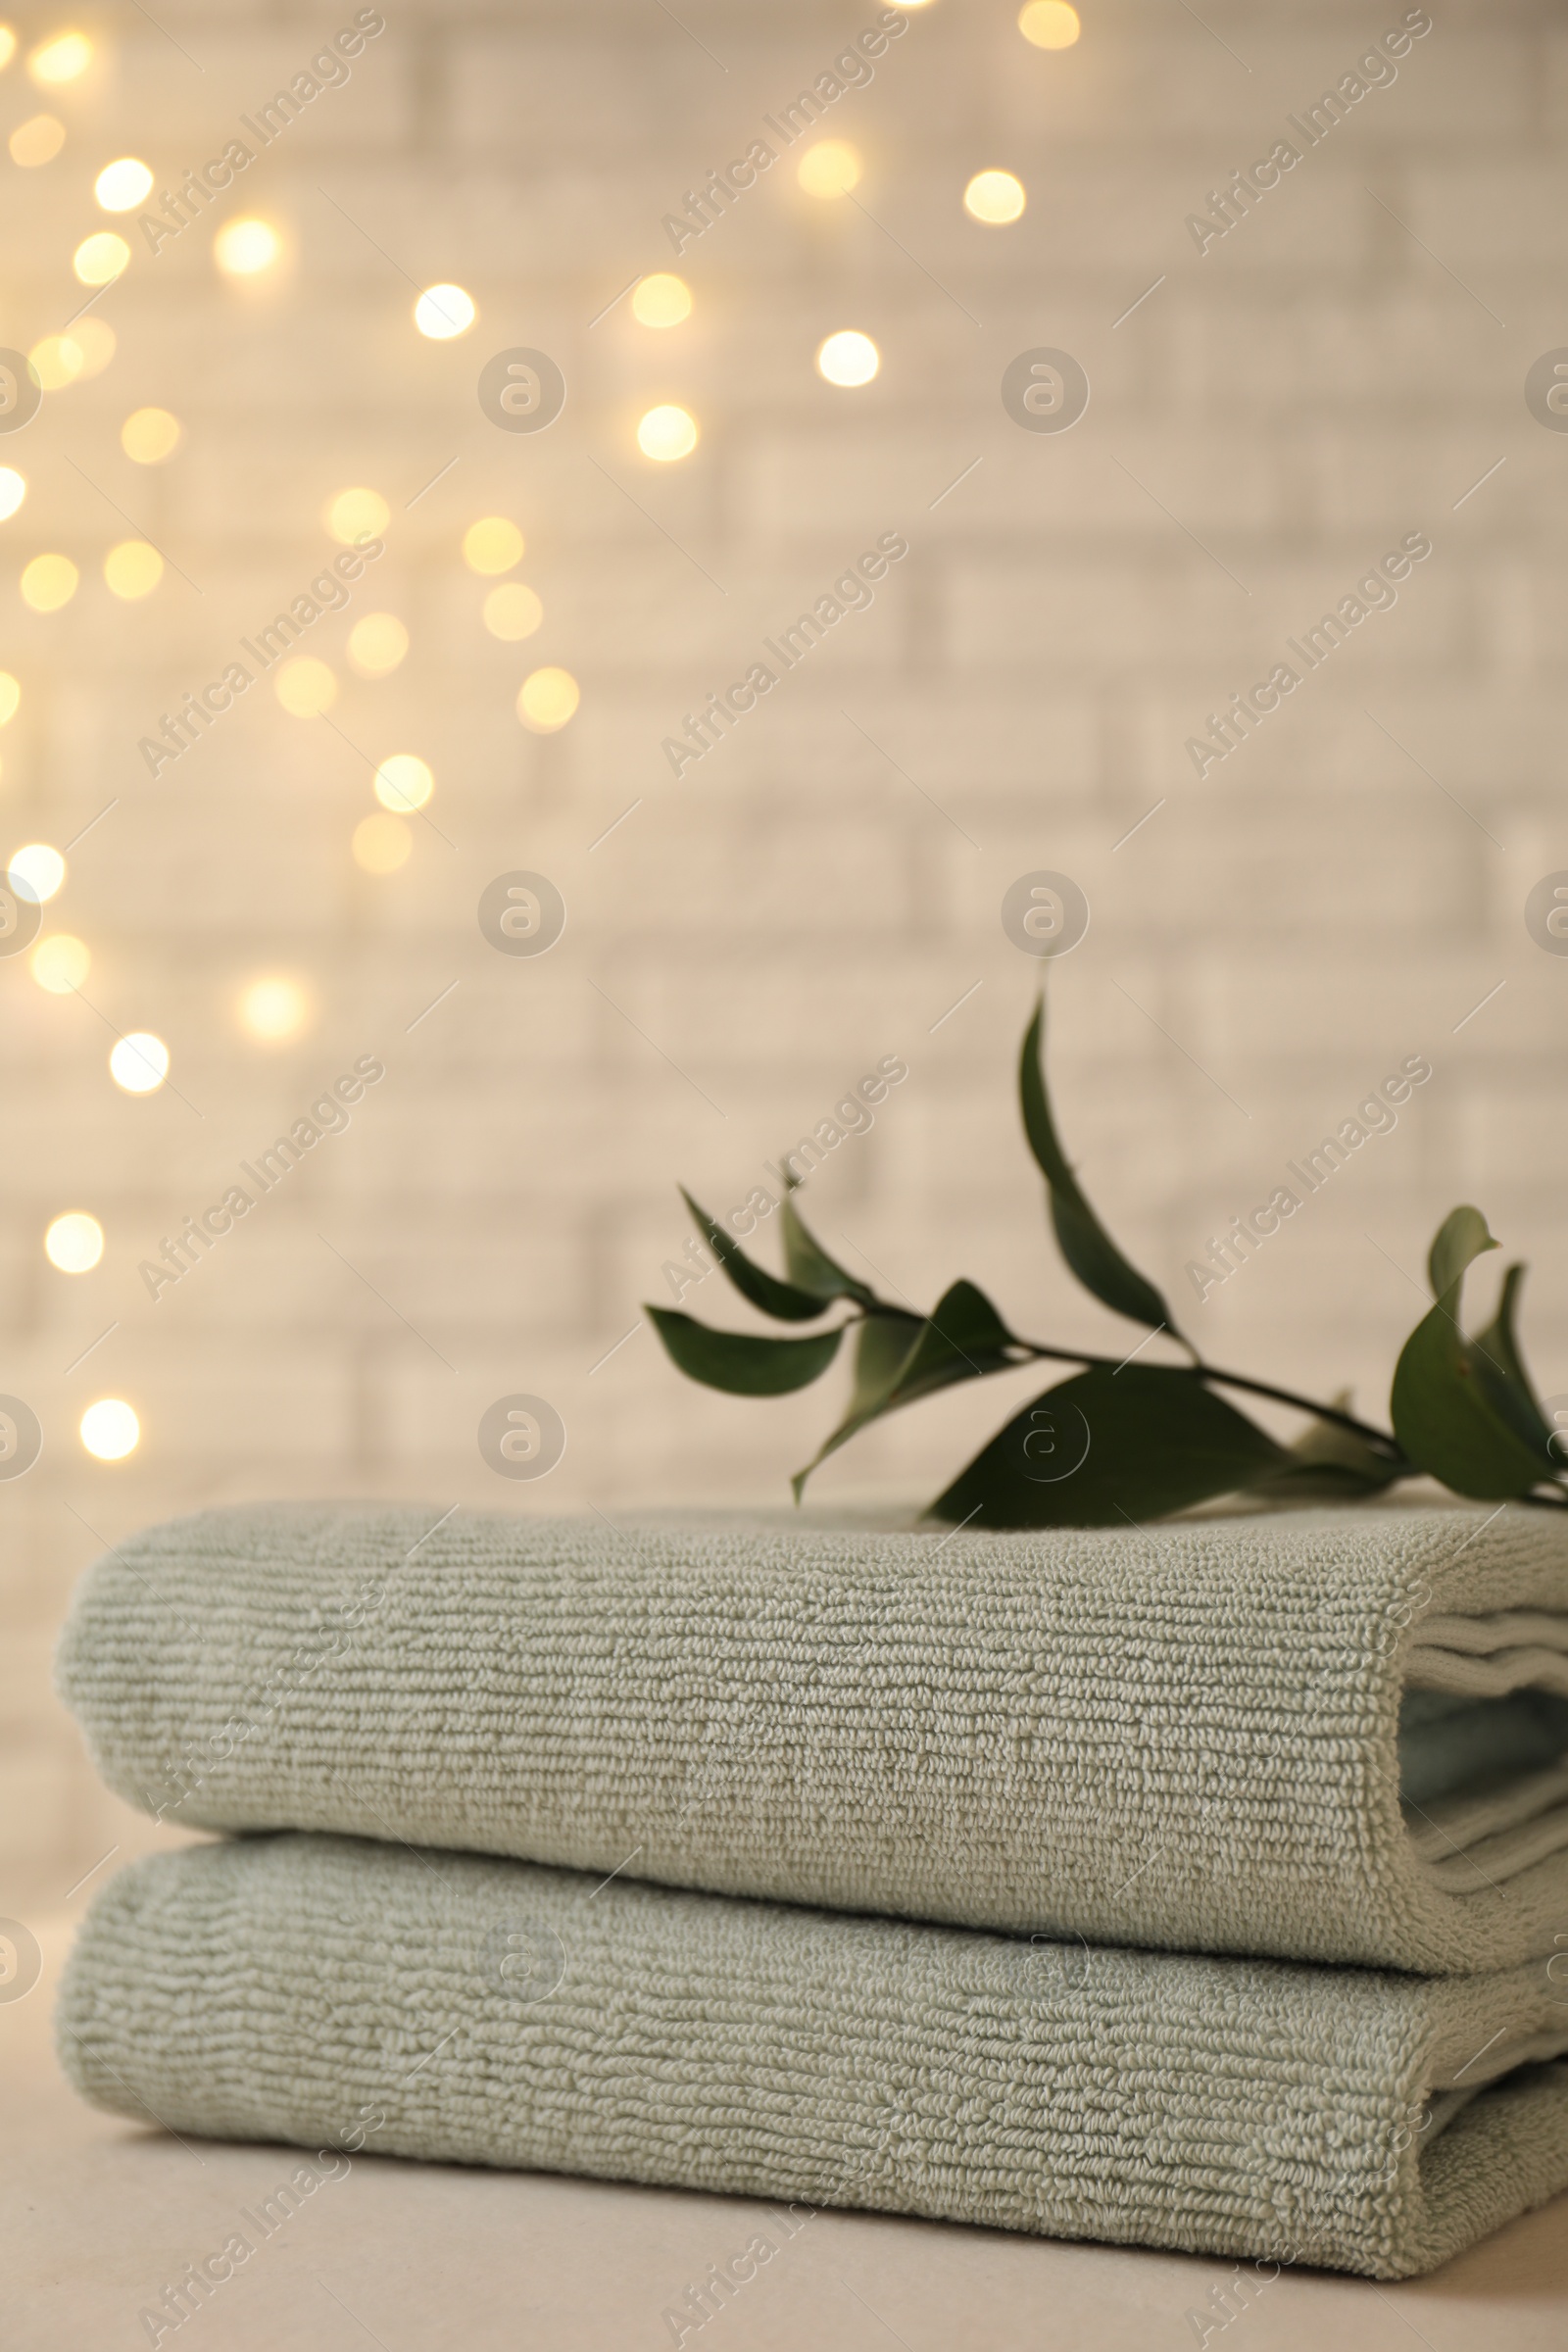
(1188, 1738)
(336, 1993)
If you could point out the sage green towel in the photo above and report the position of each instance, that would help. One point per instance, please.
(341, 1995)
(1186, 1737)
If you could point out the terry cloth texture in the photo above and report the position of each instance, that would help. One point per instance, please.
(1188, 1738)
(332, 1993)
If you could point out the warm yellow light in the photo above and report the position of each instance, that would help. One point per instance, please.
(403, 782)
(36, 872)
(355, 514)
(662, 300)
(149, 436)
(36, 141)
(119, 187)
(492, 544)
(994, 197)
(547, 700)
(55, 361)
(65, 57)
(48, 582)
(305, 687)
(666, 433)
(512, 612)
(832, 168)
(10, 697)
(245, 248)
(381, 843)
(1048, 23)
(71, 358)
(59, 963)
(132, 569)
(139, 1063)
(13, 490)
(377, 644)
(75, 1242)
(8, 46)
(273, 1009)
(94, 339)
(110, 1429)
(847, 359)
(443, 312)
(99, 258)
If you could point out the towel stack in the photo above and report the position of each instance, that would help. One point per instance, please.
(1196, 1888)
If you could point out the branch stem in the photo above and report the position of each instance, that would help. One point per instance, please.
(1379, 1439)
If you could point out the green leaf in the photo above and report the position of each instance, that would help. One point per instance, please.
(1458, 1242)
(809, 1267)
(1108, 1446)
(1084, 1244)
(885, 1343)
(963, 1339)
(1500, 1369)
(1444, 1414)
(736, 1361)
(781, 1300)
(1328, 1464)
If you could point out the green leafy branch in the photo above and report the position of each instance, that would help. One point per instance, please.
(1123, 1441)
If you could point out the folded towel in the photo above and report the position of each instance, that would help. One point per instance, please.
(1186, 1737)
(348, 1996)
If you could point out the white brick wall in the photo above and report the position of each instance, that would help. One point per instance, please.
(1279, 410)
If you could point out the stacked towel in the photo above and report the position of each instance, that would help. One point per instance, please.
(1332, 1736)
